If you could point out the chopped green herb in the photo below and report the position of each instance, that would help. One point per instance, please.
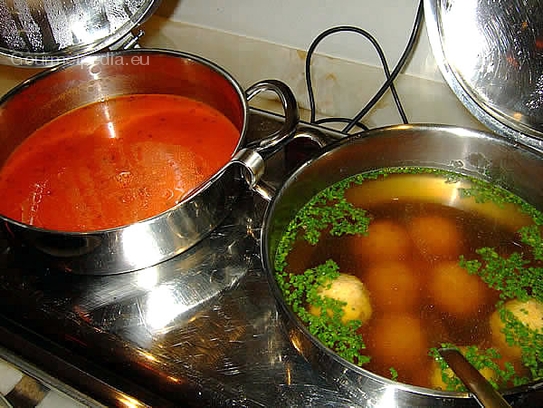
(484, 360)
(531, 235)
(393, 374)
(530, 342)
(516, 276)
(510, 275)
(329, 211)
(300, 290)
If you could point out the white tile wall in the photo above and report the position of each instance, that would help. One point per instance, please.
(294, 24)
(273, 44)
(342, 87)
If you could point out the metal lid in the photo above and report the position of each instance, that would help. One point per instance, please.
(45, 33)
(491, 54)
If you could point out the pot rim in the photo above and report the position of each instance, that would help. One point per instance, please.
(270, 270)
(99, 58)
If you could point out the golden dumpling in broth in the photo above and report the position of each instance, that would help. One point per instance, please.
(349, 289)
(435, 237)
(436, 375)
(394, 286)
(385, 241)
(398, 340)
(455, 291)
(529, 313)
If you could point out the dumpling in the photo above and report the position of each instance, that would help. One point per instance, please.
(394, 286)
(386, 240)
(455, 291)
(397, 340)
(436, 375)
(349, 289)
(529, 313)
(436, 237)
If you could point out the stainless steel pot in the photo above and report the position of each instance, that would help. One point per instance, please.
(94, 78)
(492, 158)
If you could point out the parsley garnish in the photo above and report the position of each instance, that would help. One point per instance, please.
(300, 290)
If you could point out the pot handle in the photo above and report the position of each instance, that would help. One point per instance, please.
(270, 144)
(253, 164)
(251, 157)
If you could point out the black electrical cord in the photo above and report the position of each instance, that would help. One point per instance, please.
(399, 66)
(375, 44)
(340, 120)
(389, 83)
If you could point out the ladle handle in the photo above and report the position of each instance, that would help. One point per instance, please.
(487, 396)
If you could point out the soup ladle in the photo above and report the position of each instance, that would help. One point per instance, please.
(484, 392)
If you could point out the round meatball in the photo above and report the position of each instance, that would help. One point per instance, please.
(386, 240)
(398, 340)
(455, 291)
(394, 286)
(529, 313)
(349, 289)
(435, 237)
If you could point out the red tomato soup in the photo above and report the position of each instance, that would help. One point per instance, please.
(115, 162)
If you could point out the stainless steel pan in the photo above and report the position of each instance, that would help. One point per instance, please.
(94, 78)
(483, 155)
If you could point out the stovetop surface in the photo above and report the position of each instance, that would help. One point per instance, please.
(199, 329)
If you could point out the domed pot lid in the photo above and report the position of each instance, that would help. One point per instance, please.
(43, 33)
(490, 52)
